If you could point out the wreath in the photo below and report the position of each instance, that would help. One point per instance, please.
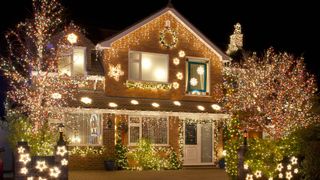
(163, 42)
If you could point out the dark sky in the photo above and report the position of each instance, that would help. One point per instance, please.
(287, 26)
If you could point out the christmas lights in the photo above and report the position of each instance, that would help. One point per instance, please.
(115, 71)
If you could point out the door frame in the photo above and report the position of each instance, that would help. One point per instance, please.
(199, 145)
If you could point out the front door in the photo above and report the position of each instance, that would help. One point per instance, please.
(198, 144)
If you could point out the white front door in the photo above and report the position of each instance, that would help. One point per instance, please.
(198, 143)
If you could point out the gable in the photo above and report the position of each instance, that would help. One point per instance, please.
(183, 28)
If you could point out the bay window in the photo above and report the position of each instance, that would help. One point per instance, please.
(145, 66)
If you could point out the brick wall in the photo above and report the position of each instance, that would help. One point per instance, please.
(147, 39)
(174, 133)
(108, 133)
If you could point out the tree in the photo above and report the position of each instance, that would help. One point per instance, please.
(272, 93)
(35, 85)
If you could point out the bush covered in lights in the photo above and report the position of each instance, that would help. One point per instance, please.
(21, 129)
(121, 159)
(146, 156)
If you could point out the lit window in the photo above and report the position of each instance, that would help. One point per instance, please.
(73, 64)
(148, 66)
(83, 128)
(154, 129)
(197, 80)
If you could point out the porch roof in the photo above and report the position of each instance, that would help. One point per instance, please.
(101, 101)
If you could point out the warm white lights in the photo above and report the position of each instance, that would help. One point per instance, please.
(40, 178)
(193, 81)
(75, 139)
(61, 150)
(245, 166)
(175, 85)
(280, 175)
(288, 175)
(56, 96)
(201, 108)
(258, 174)
(155, 104)
(72, 38)
(200, 70)
(182, 54)
(176, 61)
(54, 172)
(86, 100)
(64, 162)
(279, 167)
(160, 74)
(249, 177)
(21, 150)
(179, 75)
(112, 104)
(294, 160)
(224, 152)
(296, 170)
(216, 107)
(134, 102)
(115, 71)
(289, 167)
(41, 165)
(25, 158)
(30, 178)
(24, 170)
(177, 103)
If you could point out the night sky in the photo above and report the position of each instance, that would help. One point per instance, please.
(287, 27)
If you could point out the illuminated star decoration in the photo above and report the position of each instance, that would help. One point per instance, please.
(54, 172)
(179, 75)
(245, 166)
(175, 85)
(61, 150)
(296, 170)
(115, 71)
(41, 165)
(200, 70)
(21, 150)
(288, 175)
(289, 167)
(24, 170)
(25, 158)
(64, 162)
(182, 54)
(176, 61)
(249, 177)
(279, 167)
(193, 81)
(258, 174)
(294, 160)
(280, 175)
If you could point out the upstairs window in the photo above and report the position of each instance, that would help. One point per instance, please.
(145, 66)
(197, 80)
(74, 63)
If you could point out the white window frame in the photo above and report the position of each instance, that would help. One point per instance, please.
(101, 130)
(72, 62)
(200, 60)
(140, 129)
(140, 66)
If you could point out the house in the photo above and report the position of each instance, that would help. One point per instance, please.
(160, 79)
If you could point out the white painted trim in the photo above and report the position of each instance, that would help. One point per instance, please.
(181, 115)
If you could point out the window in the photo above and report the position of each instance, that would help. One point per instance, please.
(148, 66)
(197, 80)
(74, 63)
(83, 128)
(154, 129)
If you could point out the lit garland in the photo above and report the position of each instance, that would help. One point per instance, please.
(275, 92)
(148, 85)
(163, 41)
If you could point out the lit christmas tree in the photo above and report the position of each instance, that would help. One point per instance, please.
(35, 86)
(272, 93)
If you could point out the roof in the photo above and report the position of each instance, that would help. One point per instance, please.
(107, 43)
(101, 101)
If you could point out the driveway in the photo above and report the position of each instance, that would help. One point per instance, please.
(185, 174)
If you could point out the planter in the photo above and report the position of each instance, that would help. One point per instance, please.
(109, 165)
(222, 164)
